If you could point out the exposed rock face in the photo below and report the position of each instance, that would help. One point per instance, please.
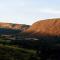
(14, 26)
(48, 27)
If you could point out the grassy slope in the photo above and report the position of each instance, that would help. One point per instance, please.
(15, 53)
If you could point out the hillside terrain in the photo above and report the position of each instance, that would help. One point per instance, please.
(12, 31)
(48, 27)
(40, 41)
(14, 26)
(15, 53)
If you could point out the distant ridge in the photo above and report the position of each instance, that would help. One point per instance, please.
(14, 26)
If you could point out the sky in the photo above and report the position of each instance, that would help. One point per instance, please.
(28, 11)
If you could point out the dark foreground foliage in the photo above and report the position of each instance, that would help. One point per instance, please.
(47, 48)
(14, 53)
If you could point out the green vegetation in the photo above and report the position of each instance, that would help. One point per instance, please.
(15, 53)
(20, 49)
(10, 51)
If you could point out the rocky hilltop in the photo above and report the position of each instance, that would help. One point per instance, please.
(14, 26)
(12, 31)
(48, 27)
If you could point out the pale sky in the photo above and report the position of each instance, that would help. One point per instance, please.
(28, 11)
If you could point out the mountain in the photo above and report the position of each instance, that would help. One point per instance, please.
(12, 31)
(14, 26)
(48, 27)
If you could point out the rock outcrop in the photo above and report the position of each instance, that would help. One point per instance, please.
(48, 27)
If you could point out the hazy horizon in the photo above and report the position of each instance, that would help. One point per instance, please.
(28, 11)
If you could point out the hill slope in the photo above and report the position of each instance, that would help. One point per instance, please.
(48, 27)
(14, 26)
(9, 30)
